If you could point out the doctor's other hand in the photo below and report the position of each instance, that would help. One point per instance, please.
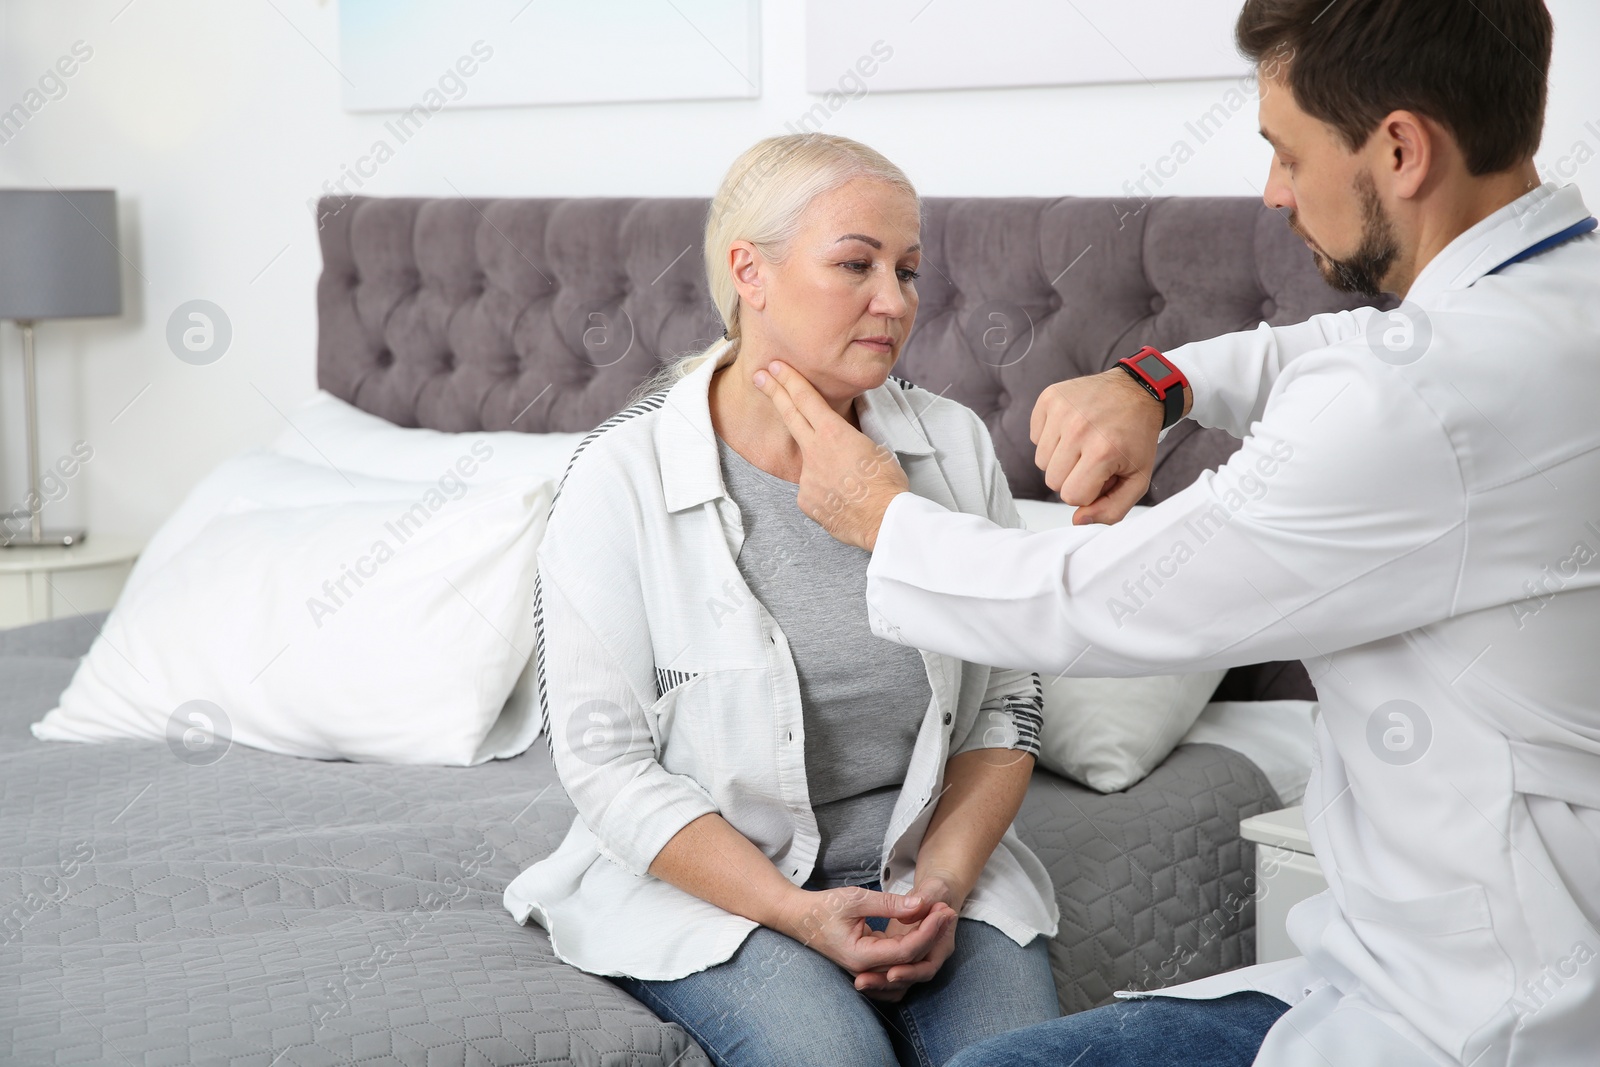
(834, 923)
(847, 480)
(1096, 443)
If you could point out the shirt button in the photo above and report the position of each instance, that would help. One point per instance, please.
(947, 718)
(791, 735)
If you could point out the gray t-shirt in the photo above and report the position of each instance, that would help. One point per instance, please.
(862, 698)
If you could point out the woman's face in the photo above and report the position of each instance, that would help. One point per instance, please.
(840, 304)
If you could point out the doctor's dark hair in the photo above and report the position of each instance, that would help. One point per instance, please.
(1480, 68)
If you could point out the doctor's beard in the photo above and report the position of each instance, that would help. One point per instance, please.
(1363, 272)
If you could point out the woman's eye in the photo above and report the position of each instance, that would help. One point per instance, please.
(907, 274)
(859, 266)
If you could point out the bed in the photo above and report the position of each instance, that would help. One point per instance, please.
(269, 910)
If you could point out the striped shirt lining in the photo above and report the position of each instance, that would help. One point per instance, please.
(1027, 712)
(666, 680)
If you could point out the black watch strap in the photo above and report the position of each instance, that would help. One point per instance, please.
(1171, 404)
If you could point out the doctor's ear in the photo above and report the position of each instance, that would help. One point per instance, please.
(748, 267)
(1410, 145)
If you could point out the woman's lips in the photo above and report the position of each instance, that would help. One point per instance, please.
(877, 344)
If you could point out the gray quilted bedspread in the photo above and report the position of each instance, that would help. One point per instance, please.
(270, 911)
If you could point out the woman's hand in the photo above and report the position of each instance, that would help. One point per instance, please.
(834, 923)
(890, 984)
(983, 790)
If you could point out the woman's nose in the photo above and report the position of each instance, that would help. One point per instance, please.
(889, 297)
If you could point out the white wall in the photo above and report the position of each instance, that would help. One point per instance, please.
(216, 121)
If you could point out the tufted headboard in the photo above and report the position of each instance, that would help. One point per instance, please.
(544, 315)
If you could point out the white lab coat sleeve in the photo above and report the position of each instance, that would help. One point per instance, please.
(1012, 712)
(1232, 375)
(1339, 521)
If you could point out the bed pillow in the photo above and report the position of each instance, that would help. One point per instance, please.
(1048, 514)
(1108, 733)
(335, 436)
(389, 631)
(266, 479)
(269, 479)
(329, 433)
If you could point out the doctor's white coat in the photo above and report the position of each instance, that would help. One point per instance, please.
(1415, 513)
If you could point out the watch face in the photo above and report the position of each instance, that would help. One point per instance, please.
(1153, 366)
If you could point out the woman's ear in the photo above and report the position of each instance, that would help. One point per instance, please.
(746, 265)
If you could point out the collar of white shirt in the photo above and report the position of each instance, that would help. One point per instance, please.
(1521, 224)
(691, 472)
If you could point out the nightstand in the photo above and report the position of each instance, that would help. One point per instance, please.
(1286, 873)
(46, 583)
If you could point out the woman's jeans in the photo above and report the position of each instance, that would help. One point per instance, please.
(1157, 1032)
(776, 1001)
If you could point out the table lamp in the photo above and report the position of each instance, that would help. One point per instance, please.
(58, 260)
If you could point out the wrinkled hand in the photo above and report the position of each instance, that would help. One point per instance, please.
(834, 923)
(846, 480)
(892, 983)
(1096, 439)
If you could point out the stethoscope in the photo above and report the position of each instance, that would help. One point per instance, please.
(1577, 229)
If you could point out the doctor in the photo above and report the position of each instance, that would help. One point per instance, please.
(1414, 512)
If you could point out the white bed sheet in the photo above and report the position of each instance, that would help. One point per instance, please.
(1275, 735)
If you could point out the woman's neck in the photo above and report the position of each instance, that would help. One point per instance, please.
(743, 417)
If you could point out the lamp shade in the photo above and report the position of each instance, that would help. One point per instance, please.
(57, 256)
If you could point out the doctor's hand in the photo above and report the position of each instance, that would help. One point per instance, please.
(846, 479)
(1096, 439)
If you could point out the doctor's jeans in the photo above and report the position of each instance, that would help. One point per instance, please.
(777, 1002)
(1153, 1032)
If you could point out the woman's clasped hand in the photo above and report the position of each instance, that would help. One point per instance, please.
(919, 936)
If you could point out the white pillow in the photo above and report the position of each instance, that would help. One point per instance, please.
(386, 631)
(1048, 514)
(1108, 733)
(271, 480)
(337, 436)
(332, 434)
(268, 480)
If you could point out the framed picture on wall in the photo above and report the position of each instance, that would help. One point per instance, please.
(951, 44)
(397, 55)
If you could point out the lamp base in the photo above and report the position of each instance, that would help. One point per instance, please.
(63, 538)
(19, 523)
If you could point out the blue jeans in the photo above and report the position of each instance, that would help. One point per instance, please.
(1158, 1032)
(775, 1001)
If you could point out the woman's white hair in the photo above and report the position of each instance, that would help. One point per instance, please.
(762, 200)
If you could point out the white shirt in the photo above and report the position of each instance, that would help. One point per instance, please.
(671, 692)
(1423, 529)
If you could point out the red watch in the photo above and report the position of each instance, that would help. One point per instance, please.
(1160, 379)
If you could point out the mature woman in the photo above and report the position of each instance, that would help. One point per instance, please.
(751, 765)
